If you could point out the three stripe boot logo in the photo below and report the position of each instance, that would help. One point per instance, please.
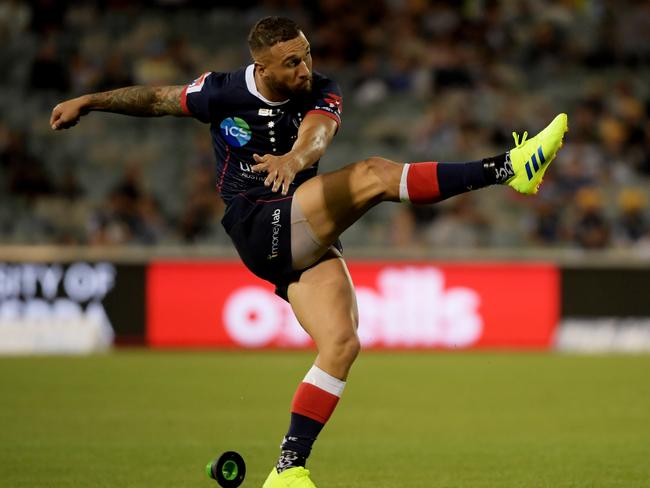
(530, 171)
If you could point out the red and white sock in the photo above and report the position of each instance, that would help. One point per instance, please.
(432, 182)
(419, 183)
(313, 404)
(317, 395)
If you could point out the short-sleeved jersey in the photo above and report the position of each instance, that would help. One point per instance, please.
(243, 123)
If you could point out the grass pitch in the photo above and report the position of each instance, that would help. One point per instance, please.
(154, 419)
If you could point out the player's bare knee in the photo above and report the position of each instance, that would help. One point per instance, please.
(380, 172)
(352, 348)
(343, 350)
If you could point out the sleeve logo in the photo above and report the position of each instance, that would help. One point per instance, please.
(334, 101)
(197, 85)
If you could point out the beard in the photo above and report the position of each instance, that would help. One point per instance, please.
(285, 90)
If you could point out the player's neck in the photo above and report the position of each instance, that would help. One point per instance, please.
(265, 91)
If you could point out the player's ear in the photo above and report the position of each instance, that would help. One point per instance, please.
(262, 59)
(259, 67)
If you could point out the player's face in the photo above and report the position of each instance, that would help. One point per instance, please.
(286, 67)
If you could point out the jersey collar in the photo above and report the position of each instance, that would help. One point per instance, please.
(250, 84)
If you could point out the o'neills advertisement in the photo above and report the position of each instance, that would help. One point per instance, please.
(401, 306)
(53, 308)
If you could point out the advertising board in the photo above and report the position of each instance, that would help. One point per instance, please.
(401, 306)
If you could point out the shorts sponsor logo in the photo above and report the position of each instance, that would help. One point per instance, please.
(236, 131)
(275, 234)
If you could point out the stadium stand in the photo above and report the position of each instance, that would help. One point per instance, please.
(421, 80)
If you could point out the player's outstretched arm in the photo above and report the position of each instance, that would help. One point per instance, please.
(139, 101)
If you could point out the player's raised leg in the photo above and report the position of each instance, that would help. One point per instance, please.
(331, 202)
(324, 302)
(323, 299)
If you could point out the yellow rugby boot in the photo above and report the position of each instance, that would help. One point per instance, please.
(531, 157)
(289, 478)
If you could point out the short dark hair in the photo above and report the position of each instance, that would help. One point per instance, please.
(270, 30)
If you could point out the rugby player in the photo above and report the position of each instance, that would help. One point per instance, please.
(271, 122)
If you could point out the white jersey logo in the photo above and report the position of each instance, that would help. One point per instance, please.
(267, 112)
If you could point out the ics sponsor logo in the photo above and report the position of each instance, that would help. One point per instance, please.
(236, 131)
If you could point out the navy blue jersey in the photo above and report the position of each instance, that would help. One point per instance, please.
(243, 123)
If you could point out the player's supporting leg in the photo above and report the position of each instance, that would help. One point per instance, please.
(324, 303)
(331, 202)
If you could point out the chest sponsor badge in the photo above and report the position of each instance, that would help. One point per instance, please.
(236, 131)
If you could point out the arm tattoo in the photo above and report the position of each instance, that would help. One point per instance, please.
(141, 101)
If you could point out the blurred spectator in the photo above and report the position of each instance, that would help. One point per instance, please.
(130, 215)
(15, 17)
(409, 224)
(631, 222)
(463, 226)
(157, 67)
(26, 174)
(48, 72)
(592, 230)
(369, 84)
(69, 187)
(582, 165)
(151, 226)
(47, 15)
(183, 57)
(116, 73)
(644, 165)
(203, 208)
(109, 225)
(547, 226)
(403, 229)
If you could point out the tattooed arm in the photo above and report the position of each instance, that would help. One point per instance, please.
(140, 101)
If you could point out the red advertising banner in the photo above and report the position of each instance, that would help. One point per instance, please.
(401, 305)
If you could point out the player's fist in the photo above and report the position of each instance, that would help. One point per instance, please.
(67, 114)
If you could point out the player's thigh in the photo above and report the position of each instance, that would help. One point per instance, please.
(332, 202)
(325, 304)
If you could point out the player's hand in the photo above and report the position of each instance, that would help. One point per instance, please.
(67, 114)
(281, 170)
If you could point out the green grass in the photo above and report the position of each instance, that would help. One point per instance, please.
(154, 419)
